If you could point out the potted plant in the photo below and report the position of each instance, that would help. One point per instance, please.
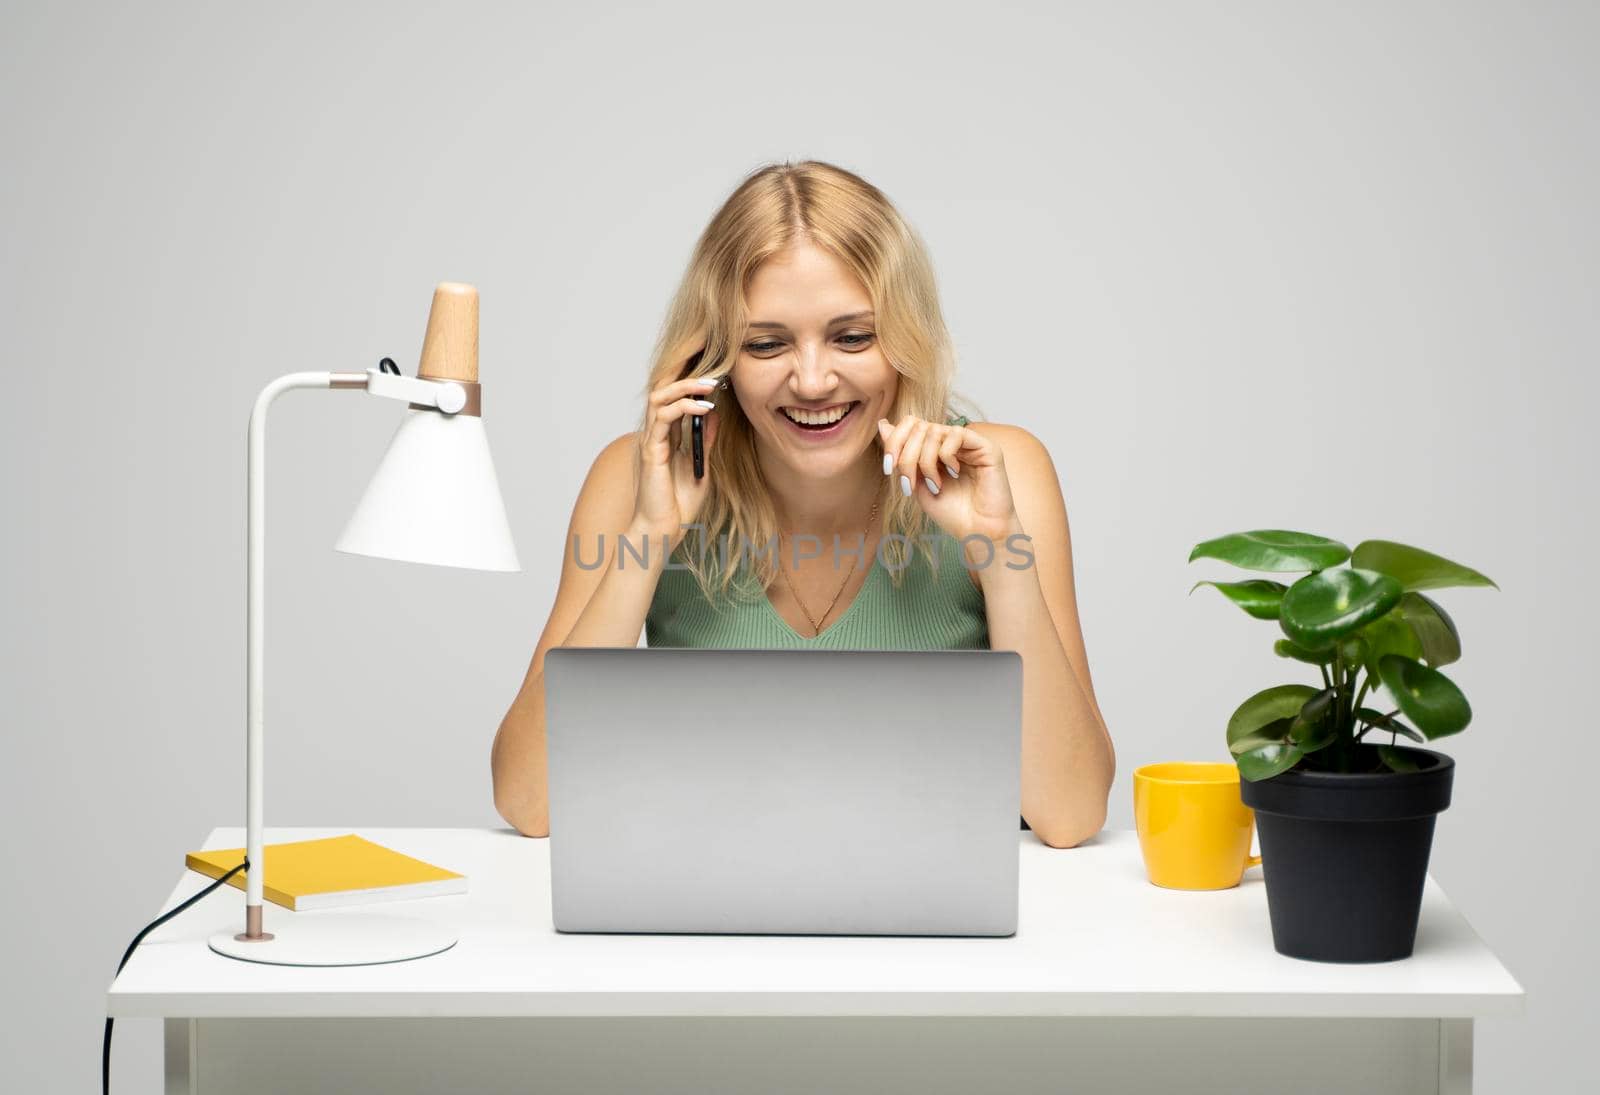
(1345, 813)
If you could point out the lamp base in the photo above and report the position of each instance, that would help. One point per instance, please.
(313, 939)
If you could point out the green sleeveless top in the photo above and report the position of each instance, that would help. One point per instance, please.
(931, 610)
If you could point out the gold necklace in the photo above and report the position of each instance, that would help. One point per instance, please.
(816, 628)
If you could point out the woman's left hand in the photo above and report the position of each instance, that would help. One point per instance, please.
(970, 492)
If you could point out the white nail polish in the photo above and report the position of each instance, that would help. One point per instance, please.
(905, 486)
(707, 404)
(953, 473)
(888, 462)
(932, 486)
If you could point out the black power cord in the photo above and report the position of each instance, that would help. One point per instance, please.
(105, 1053)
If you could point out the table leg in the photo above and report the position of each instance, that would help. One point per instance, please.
(1455, 1057)
(178, 1049)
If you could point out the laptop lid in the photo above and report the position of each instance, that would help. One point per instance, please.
(784, 791)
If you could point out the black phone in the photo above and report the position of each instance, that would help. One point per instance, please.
(697, 429)
(698, 442)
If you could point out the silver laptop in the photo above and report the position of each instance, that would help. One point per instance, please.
(859, 792)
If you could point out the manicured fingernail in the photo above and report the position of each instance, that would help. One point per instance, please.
(905, 486)
(708, 381)
(707, 404)
(953, 473)
(888, 462)
(934, 487)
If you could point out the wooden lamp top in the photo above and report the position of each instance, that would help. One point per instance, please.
(450, 348)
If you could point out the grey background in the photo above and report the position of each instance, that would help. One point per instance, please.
(1247, 265)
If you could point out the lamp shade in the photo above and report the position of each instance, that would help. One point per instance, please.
(435, 498)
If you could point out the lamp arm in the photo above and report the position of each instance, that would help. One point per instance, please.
(448, 397)
(255, 624)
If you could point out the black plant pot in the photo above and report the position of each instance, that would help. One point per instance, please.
(1345, 856)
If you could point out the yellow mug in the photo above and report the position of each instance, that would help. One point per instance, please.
(1194, 829)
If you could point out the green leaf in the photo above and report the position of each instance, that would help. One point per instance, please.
(1275, 732)
(1317, 707)
(1312, 729)
(1267, 761)
(1282, 701)
(1317, 738)
(1257, 596)
(1353, 649)
(1436, 632)
(1286, 649)
(1414, 568)
(1428, 698)
(1386, 722)
(1324, 607)
(1389, 634)
(1396, 760)
(1273, 549)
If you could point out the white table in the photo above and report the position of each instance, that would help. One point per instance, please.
(1110, 984)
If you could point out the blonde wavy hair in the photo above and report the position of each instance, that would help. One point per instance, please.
(775, 207)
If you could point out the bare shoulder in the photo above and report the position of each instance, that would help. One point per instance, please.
(1031, 473)
(601, 509)
(1036, 492)
(619, 453)
(1012, 439)
(604, 503)
(609, 485)
(1029, 469)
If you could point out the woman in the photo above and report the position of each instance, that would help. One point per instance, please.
(809, 310)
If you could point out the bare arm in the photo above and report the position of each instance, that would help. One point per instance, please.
(1067, 756)
(601, 606)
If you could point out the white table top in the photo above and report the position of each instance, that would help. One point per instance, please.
(1093, 938)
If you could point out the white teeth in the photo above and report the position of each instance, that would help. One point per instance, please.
(817, 418)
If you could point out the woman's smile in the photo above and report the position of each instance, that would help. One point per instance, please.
(820, 425)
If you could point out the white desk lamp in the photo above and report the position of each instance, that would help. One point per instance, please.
(434, 499)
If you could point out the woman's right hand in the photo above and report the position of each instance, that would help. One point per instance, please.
(668, 494)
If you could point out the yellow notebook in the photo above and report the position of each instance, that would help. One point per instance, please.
(333, 871)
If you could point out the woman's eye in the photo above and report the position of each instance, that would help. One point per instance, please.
(853, 340)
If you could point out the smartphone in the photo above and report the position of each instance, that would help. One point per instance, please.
(697, 429)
